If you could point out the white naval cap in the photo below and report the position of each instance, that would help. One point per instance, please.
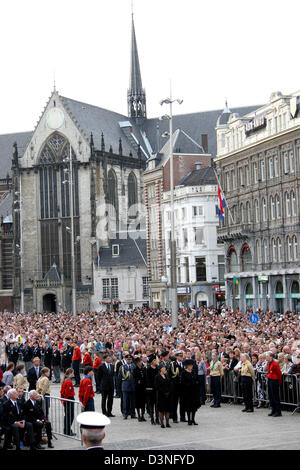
(92, 419)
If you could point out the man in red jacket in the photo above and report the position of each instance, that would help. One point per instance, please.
(274, 377)
(86, 392)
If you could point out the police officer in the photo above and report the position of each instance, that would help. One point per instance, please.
(92, 425)
(48, 357)
(126, 375)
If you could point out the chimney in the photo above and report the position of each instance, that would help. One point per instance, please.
(204, 142)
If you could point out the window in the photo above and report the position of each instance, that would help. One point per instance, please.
(221, 267)
(200, 269)
(295, 247)
(291, 161)
(279, 250)
(272, 204)
(183, 213)
(276, 167)
(255, 172)
(115, 250)
(198, 236)
(256, 207)
(248, 212)
(286, 162)
(197, 210)
(271, 168)
(106, 288)
(289, 249)
(114, 288)
(132, 194)
(187, 270)
(274, 250)
(145, 287)
(247, 169)
(232, 261)
(264, 207)
(262, 170)
(185, 237)
(265, 251)
(241, 176)
(258, 254)
(178, 271)
(246, 258)
(288, 204)
(278, 207)
(293, 203)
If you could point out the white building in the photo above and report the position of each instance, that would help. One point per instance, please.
(200, 259)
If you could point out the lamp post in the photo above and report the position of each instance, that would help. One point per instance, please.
(173, 283)
(74, 302)
(20, 247)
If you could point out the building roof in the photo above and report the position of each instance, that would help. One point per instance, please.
(6, 149)
(131, 252)
(201, 177)
(135, 81)
(93, 119)
(194, 124)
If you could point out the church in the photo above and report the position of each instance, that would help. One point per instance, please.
(81, 172)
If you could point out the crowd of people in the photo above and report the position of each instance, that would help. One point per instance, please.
(137, 356)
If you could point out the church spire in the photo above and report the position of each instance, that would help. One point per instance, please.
(136, 96)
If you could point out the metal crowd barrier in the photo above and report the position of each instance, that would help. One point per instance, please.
(62, 417)
(289, 391)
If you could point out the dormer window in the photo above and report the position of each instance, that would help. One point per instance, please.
(115, 250)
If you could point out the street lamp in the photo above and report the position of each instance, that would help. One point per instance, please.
(71, 230)
(20, 247)
(173, 283)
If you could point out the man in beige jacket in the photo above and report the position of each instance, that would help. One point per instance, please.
(216, 373)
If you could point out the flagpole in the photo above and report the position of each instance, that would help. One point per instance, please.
(219, 184)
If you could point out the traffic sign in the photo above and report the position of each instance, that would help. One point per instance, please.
(254, 318)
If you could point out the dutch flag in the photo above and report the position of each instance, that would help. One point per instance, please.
(221, 205)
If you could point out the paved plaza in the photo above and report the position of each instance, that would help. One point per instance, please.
(224, 428)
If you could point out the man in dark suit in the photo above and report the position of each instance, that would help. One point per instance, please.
(13, 422)
(128, 390)
(48, 357)
(34, 373)
(106, 378)
(34, 414)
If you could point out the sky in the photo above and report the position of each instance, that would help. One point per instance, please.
(210, 50)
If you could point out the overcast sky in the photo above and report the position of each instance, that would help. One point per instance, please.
(235, 49)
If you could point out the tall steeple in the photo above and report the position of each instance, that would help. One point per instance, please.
(136, 97)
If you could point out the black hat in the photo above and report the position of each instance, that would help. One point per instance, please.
(161, 365)
(164, 354)
(137, 359)
(151, 358)
(129, 357)
(188, 362)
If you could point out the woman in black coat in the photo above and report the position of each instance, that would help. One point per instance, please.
(190, 391)
(139, 377)
(163, 387)
(151, 372)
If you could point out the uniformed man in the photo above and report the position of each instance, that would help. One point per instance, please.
(56, 362)
(126, 375)
(48, 357)
(92, 425)
(176, 368)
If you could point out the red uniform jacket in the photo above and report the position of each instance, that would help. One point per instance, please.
(76, 354)
(86, 390)
(274, 372)
(67, 389)
(87, 360)
(97, 363)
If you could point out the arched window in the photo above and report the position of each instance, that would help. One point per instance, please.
(287, 205)
(264, 208)
(248, 213)
(232, 260)
(132, 190)
(258, 253)
(279, 250)
(256, 210)
(242, 213)
(293, 204)
(274, 250)
(278, 207)
(272, 207)
(289, 250)
(246, 258)
(112, 195)
(265, 251)
(295, 247)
